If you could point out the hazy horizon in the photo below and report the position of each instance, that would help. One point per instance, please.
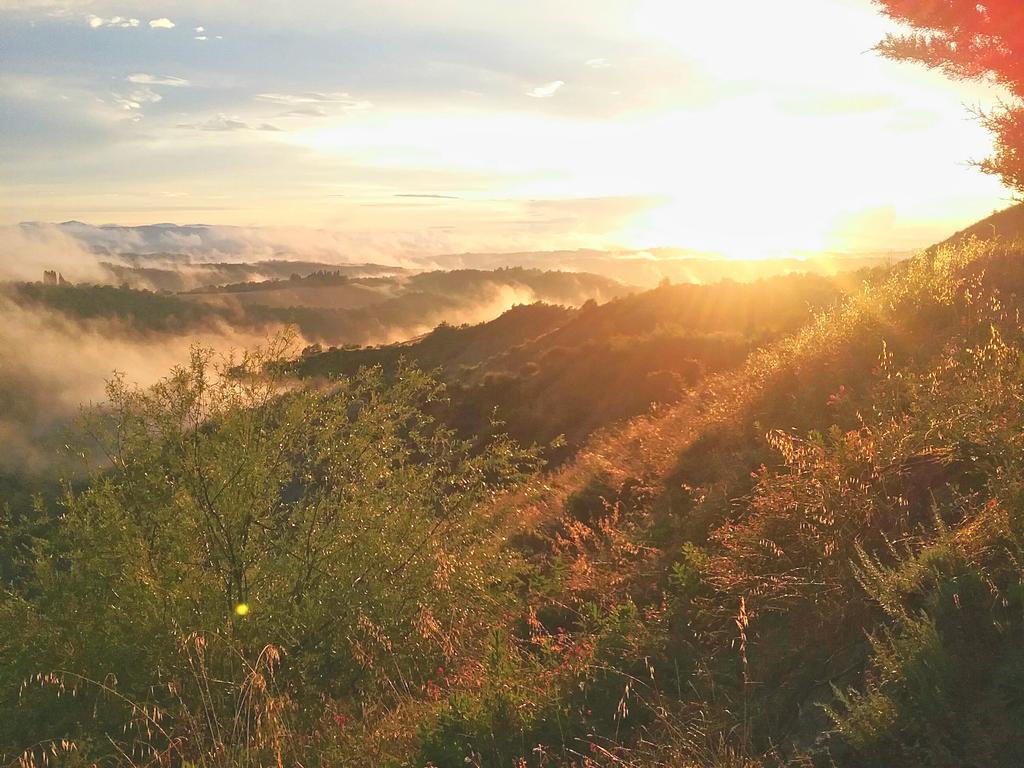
(408, 130)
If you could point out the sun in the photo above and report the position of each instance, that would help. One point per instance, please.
(747, 230)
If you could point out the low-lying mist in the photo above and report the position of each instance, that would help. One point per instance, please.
(27, 250)
(60, 344)
(51, 365)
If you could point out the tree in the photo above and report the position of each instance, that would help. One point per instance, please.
(970, 40)
(339, 525)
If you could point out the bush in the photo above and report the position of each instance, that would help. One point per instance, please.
(336, 527)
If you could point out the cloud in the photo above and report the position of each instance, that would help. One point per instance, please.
(134, 100)
(50, 364)
(141, 78)
(359, 238)
(161, 23)
(306, 112)
(31, 248)
(115, 21)
(223, 122)
(200, 30)
(314, 103)
(547, 90)
(200, 37)
(597, 63)
(432, 197)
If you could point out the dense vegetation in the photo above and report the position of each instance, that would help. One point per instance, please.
(231, 524)
(814, 562)
(548, 371)
(329, 307)
(811, 559)
(139, 310)
(172, 272)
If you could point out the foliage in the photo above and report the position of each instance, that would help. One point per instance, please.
(139, 310)
(331, 307)
(844, 592)
(977, 41)
(549, 371)
(336, 527)
(813, 559)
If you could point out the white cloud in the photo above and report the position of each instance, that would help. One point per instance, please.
(133, 101)
(315, 103)
(141, 78)
(161, 23)
(224, 122)
(115, 21)
(200, 30)
(200, 37)
(314, 100)
(598, 63)
(547, 90)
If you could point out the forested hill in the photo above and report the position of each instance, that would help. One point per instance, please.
(545, 371)
(325, 306)
(812, 558)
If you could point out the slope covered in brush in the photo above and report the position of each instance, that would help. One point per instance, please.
(811, 559)
(1007, 224)
(815, 560)
(547, 371)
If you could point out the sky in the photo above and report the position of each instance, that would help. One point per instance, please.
(745, 128)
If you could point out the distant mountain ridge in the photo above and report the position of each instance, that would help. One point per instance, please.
(199, 243)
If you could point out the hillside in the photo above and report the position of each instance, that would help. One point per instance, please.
(179, 273)
(1007, 224)
(47, 372)
(811, 558)
(811, 561)
(650, 267)
(545, 371)
(326, 306)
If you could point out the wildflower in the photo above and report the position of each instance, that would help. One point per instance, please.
(837, 397)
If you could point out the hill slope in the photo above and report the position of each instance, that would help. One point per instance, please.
(813, 558)
(329, 307)
(546, 371)
(1007, 223)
